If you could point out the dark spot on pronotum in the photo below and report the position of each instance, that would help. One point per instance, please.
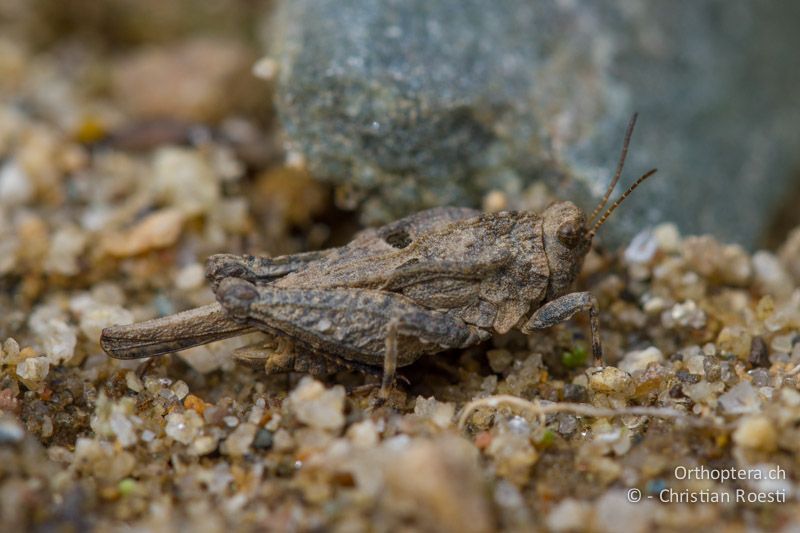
(398, 239)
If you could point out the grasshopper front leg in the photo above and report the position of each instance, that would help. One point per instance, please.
(562, 309)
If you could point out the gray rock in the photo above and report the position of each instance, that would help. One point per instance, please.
(409, 103)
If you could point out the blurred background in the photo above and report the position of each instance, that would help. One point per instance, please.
(397, 106)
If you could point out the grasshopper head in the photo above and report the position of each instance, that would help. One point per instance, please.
(568, 238)
(567, 233)
(566, 243)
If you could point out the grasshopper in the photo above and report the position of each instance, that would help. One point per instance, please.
(439, 279)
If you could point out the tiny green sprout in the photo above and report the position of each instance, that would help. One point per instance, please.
(127, 486)
(548, 437)
(575, 357)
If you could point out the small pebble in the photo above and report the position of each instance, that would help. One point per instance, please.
(152, 384)
(185, 180)
(133, 382)
(317, 406)
(238, 443)
(728, 263)
(123, 429)
(668, 237)
(203, 445)
(263, 439)
(756, 432)
(440, 413)
(11, 431)
(56, 336)
(687, 377)
(789, 253)
(567, 425)
(640, 359)
(34, 368)
(519, 425)
(210, 357)
(499, 360)
(760, 377)
(794, 358)
(65, 250)
(727, 373)
(363, 434)
(8, 401)
(183, 427)
(610, 379)
(256, 412)
(654, 305)
(282, 441)
(212, 414)
(157, 230)
(686, 314)
(489, 384)
(703, 392)
(696, 364)
(510, 499)
(10, 352)
(790, 397)
(770, 275)
(99, 316)
(614, 511)
(642, 247)
(575, 393)
(15, 185)
(712, 368)
(741, 399)
(569, 515)
(193, 402)
(735, 340)
(180, 389)
(782, 343)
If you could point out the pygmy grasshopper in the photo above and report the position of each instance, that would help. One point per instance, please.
(439, 279)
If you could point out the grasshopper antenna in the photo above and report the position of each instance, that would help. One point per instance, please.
(620, 164)
(619, 201)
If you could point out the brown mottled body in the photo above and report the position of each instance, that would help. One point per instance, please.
(450, 278)
(439, 279)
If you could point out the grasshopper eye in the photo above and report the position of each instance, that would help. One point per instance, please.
(569, 234)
